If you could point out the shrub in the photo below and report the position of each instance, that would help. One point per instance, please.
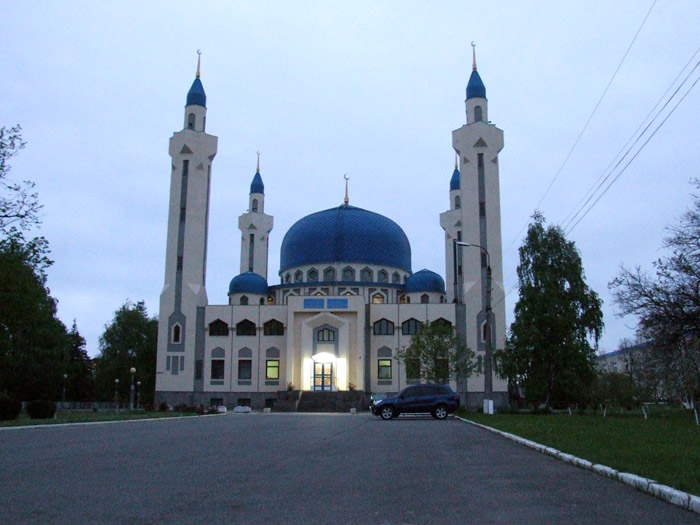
(9, 407)
(163, 407)
(41, 409)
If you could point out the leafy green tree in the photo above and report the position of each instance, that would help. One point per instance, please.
(558, 321)
(668, 307)
(438, 354)
(33, 340)
(129, 340)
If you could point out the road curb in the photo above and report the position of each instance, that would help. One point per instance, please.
(59, 425)
(674, 496)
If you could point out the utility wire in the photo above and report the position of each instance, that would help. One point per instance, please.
(595, 109)
(596, 185)
(635, 155)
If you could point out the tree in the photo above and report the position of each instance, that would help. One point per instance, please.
(558, 321)
(19, 204)
(437, 354)
(33, 340)
(129, 340)
(668, 306)
(80, 383)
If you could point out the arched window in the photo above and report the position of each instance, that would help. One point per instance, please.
(458, 202)
(190, 121)
(272, 364)
(298, 276)
(287, 278)
(441, 322)
(273, 327)
(254, 206)
(384, 327)
(270, 299)
(245, 365)
(366, 275)
(383, 276)
(410, 327)
(313, 275)
(245, 327)
(424, 299)
(217, 364)
(402, 299)
(329, 274)
(218, 328)
(378, 298)
(395, 278)
(478, 114)
(177, 334)
(348, 274)
(244, 300)
(262, 300)
(484, 332)
(325, 335)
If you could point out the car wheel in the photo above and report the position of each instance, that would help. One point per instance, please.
(387, 412)
(440, 412)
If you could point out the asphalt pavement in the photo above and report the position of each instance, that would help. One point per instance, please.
(301, 468)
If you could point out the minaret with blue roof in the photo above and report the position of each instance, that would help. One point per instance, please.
(192, 152)
(474, 217)
(255, 228)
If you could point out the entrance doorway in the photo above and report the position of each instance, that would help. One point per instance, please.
(323, 376)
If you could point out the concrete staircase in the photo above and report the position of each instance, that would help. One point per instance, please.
(333, 401)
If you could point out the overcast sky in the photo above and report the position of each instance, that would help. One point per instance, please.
(372, 89)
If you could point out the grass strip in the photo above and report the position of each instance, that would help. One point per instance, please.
(80, 416)
(665, 449)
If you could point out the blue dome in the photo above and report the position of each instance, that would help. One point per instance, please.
(454, 181)
(257, 185)
(196, 95)
(248, 282)
(475, 87)
(424, 281)
(345, 234)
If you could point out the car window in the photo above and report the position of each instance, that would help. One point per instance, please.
(411, 391)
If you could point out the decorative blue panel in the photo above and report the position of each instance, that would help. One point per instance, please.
(313, 304)
(338, 304)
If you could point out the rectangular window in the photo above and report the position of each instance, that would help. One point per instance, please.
(198, 365)
(480, 160)
(175, 368)
(412, 369)
(182, 214)
(167, 363)
(251, 251)
(179, 262)
(217, 368)
(384, 369)
(479, 364)
(483, 260)
(272, 369)
(482, 209)
(245, 369)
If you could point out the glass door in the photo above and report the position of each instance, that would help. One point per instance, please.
(323, 376)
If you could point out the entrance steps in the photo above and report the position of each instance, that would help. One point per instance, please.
(332, 401)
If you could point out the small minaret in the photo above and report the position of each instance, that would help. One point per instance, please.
(255, 228)
(192, 152)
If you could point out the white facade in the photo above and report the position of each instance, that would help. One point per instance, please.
(330, 324)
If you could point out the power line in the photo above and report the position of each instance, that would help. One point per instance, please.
(595, 109)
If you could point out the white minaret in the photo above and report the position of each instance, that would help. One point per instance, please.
(255, 228)
(474, 217)
(192, 151)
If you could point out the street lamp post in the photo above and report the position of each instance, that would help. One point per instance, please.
(65, 376)
(116, 394)
(488, 359)
(138, 393)
(131, 390)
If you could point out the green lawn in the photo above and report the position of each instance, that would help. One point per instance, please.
(665, 447)
(80, 416)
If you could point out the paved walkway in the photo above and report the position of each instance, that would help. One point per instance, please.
(289, 468)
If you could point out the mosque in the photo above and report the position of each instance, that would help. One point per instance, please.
(347, 298)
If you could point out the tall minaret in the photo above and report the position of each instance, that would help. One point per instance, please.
(192, 151)
(255, 228)
(474, 217)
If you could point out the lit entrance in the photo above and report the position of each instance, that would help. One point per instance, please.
(323, 376)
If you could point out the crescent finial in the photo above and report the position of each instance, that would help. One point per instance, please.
(199, 58)
(258, 168)
(347, 200)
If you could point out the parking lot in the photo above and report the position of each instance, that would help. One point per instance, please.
(301, 468)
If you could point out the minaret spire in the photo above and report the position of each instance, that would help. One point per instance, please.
(199, 58)
(257, 169)
(347, 200)
(473, 56)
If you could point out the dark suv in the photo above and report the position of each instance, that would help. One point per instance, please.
(437, 400)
